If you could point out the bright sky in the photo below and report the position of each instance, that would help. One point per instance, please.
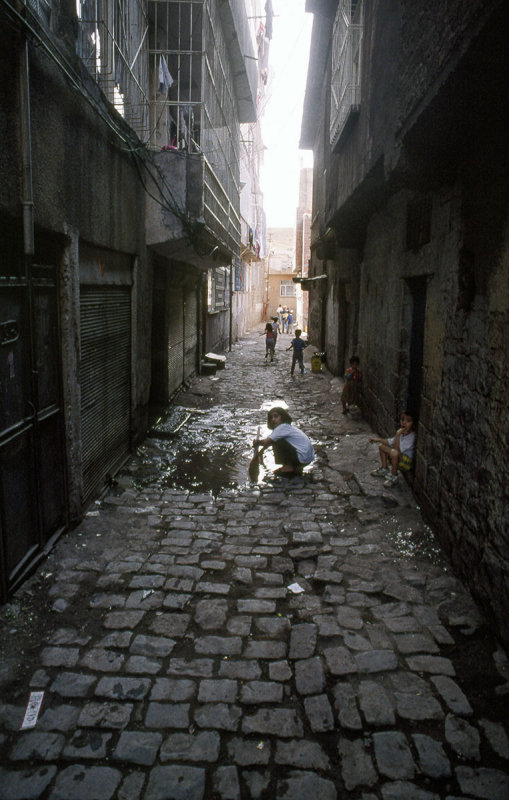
(281, 122)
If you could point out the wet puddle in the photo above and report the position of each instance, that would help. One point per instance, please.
(195, 451)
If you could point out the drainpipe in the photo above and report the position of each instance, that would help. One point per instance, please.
(27, 198)
(231, 308)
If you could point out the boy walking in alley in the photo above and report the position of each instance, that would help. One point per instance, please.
(298, 345)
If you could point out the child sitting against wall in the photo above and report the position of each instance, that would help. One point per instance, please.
(398, 451)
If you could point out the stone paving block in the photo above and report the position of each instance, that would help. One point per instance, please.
(327, 625)
(206, 587)
(403, 790)
(280, 671)
(211, 614)
(27, 784)
(464, 739)
(436, 665)
(243, 575)
(303, 639)
(393, 756)
(254, 606)
(349, 618)
(239, 626)
(246, 752)
(375, 703)
(452, 695)
(302, 754)
(174, 689)
(497, 737)
(418, 707)
(346, 707)
(339, 661)
(158, 646)
(218, 645)
(167, 715)
(83, 783)
(118, 620)
(376, 661)
(281, 722)
(87, 744)
(258, 692)
(107, 600)
(60, 718)
(201, 746)
(433, 761)
(415, 643)
(196, 667)
(60, 656)
(131, 787)
(214, 690)
(177, 601)
(105, 715)
(299, 785)
(176, 782)
(139, 665)
(241, 670)
(138, 747)
(272, 626)
(356, 764)
(218, 715)
(265, 649)
(102, 660)
(309, 676)
(319, 713)
(118, 639)
(121, 688)
(354, 641)
(225, 781)
(487, 784)
(37, 746)
(73, 684)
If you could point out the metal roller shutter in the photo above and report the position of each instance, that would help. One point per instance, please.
(105, 326)
(190, 332)
(175, 338)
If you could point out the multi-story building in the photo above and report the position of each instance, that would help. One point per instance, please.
(280, 287)
(406, 115)
(303, 243)
(119, 221)
(249, 269)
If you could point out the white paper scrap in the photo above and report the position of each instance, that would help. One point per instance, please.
(295, 588)
(32, 710)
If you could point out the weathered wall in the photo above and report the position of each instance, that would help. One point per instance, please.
(433, 309)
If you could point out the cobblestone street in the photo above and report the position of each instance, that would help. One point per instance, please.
(293, 638)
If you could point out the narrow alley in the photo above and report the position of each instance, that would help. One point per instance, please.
(201, 636)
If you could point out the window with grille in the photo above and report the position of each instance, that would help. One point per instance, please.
(287, 289)
(346, 69)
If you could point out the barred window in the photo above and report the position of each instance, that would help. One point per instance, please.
(287, 289)
(346, 69)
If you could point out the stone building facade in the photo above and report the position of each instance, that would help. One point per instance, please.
(405, 113)
(119, 224)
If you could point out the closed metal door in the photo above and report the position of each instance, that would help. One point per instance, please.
(32, 461)
(105, 367)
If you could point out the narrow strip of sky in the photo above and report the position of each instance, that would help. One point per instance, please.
(281, 123)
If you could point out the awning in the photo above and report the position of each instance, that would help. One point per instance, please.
(306, 283)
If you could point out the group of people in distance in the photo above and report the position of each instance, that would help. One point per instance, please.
(293, 449)
(298, 345)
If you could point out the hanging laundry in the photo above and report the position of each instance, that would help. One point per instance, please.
(165, 79)
(268, 19)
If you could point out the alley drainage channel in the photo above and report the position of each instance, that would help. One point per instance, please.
(194, 450)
